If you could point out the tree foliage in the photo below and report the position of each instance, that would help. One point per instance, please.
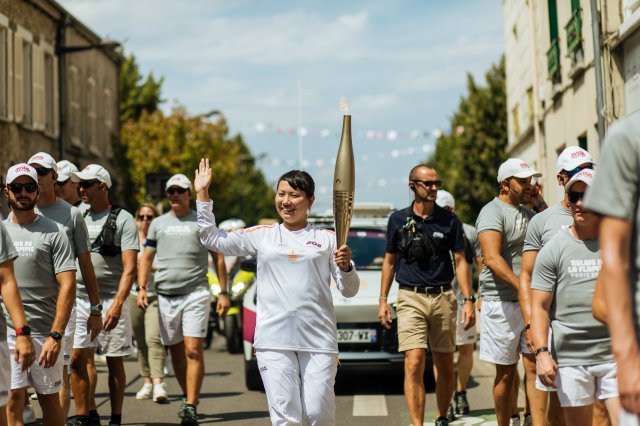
(467, 160)
(137, 95)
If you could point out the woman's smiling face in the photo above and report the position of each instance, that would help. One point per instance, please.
(292, 205)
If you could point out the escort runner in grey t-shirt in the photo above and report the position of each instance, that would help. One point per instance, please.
(546, 225)
(72, 221)
(471, 235)
(43, 251)
(614, 191)
(511, 222)
(7, 252)
(569, 268)
(109, 268)
(181, 260)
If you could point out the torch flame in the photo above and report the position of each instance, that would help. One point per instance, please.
(343, 106)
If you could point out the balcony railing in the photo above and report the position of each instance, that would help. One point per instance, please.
(553, 60)
(574, 32)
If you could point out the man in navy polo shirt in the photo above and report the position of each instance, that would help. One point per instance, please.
(420, 241)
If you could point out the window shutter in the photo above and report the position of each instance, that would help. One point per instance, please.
(56, 98)
(18, 91)
(10, 91)
(37, 81)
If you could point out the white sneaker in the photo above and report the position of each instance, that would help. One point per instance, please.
(145, 392)
(160, 393)
(515, 421)
(28, 414)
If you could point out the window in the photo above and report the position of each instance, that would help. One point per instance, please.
(582, 142)
(49, 94)
(74, 105)
(515, 116)
(92, 115)
(574, 32)
(4, 73)
(27, 83)
(553, 54)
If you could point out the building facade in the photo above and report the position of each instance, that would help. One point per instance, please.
(58, 87)
(556, 79)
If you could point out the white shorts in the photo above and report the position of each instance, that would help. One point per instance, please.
(299, 385)
(503, 336)
(116, 342)
(628, 419)
(185, 315)
(578, 386)
(464, 337)
(5, 374)
(67, 339)
(44, 380)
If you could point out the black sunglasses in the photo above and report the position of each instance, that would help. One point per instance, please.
(63, 183)
(43, 171)
(16, 188)
(572, 173)
(574, 196)
(177, 189)
(146, 217)
(428, 183)
(86, 184)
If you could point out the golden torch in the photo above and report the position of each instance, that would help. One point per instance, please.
(344, 180)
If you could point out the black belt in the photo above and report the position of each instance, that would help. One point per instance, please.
(426, 290)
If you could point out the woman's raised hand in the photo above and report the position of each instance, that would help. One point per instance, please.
(202, 180)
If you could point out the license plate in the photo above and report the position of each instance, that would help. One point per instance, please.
(357, 335)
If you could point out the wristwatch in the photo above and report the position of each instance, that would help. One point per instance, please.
(55, 336)
(97, 307)
(470, 298)
(540, 350)
(25, 330)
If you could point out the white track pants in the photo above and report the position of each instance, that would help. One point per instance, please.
(299, 385)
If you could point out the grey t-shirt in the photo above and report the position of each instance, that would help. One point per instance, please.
(471, 235)
(544, 226)
(569, 268)
(615, 191)
(72, 221)
(181, 260)
(511, 222)
(7, 252)
(109, 268)
(43, 251)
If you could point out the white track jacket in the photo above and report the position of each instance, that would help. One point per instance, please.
(295, 307)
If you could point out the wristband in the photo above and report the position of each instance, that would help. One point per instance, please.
(25, 330)
(96, 308)
(224, 293)
(540, 350)
(471, 299)
(382, 298)
(95, 314)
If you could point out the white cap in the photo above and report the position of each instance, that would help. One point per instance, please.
(179, 180)
(585, 175)
(65, 168)
(515, 167)
(232, 224)
(92, 171)
(571, 158)
(445, 199)
(22, 169)
(43, 159)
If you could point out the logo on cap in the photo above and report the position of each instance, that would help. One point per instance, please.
(578, 154)
(22, 169)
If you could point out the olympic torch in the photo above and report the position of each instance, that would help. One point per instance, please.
(344, 180)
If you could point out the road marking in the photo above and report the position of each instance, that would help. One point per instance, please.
(370, 405)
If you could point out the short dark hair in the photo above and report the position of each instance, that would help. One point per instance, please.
(299, 179)
(418, 167)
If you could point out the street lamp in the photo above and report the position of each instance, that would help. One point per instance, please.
(62, 50)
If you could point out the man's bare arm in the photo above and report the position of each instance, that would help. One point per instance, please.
(491, 243)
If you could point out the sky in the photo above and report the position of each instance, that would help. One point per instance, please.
(277, 70)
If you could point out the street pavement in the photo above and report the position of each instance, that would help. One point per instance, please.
(361, 399)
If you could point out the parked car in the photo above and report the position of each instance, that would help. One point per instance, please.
(364, 344)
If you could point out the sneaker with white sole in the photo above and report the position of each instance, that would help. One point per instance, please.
(28, 415)
(146, 392)
(160, 393)
(514, 421)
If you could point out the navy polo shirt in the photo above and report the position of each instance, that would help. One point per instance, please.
(444, 229)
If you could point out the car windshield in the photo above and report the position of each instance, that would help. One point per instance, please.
(367, 247)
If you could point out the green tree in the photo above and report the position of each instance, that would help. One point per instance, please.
(468, 158)
(137, 94)
(176, 143)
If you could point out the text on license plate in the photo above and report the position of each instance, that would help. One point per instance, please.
(356, 335)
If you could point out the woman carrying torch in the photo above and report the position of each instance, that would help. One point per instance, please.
(295, 338)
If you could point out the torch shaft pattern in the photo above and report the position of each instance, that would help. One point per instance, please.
(344, 183)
